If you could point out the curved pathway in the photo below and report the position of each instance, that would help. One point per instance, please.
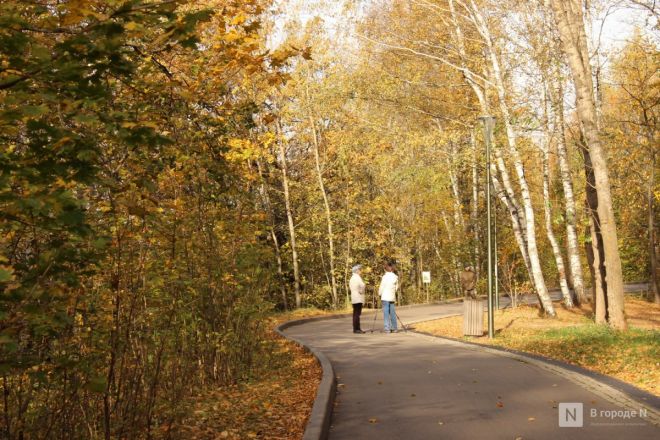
(411, 386)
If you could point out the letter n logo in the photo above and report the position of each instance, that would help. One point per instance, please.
(570, 415)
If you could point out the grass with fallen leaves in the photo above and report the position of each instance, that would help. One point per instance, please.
(274, 404)
(632, 356)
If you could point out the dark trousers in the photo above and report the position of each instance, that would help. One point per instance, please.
(357, 311)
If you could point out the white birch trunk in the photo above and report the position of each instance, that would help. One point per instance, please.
(572, 243)
(508, 197)
(530, 226)
(556, 250)
(516, 227)
(292, 228)
(326, 204)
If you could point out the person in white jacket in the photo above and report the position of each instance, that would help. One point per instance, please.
(387, 291)
(357, 287)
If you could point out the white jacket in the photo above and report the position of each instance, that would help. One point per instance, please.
(357, 287)
(388, 287)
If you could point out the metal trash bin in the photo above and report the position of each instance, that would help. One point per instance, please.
(473, 317)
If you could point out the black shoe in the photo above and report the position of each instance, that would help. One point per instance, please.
(358, 332)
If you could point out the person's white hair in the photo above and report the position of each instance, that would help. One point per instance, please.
(356, 268)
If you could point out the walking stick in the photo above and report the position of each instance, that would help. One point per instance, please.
(398, 289)
(405, 329)
(373, 324)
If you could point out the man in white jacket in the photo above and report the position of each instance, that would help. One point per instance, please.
(387, 291)
(357, 287)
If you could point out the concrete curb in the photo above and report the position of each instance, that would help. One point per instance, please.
(607, 387)
(318, 425)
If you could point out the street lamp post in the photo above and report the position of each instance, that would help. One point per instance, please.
(495, 258)
(488, 122)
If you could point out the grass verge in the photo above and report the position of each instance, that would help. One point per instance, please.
(632, 356)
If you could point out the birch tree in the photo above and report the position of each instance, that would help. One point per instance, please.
(547, 208)
(546, 55)
(529, 217)
(289, 216)
(570, 24)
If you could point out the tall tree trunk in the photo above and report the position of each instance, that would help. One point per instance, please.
(556, 250)
(598, 273)
(347, 268)
(455, 265)
(504, 189)
(515, 223)
(572, 244)
(273, 235)
(597, 254)
(569, 19)
(529, 224)
(458, 211)
(653, 256)
(289, 216)
(326, 204)
(280, 271)
(547, 204)
(654, 289)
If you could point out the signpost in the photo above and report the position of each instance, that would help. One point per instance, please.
(426, 279)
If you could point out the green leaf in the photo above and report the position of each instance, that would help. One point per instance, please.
(97, 384)
(5, 275)
(34, 110)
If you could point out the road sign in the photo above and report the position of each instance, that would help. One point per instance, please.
(426, 277)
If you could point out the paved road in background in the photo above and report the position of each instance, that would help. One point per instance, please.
(408, 386)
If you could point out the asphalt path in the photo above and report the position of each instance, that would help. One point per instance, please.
(411, 386)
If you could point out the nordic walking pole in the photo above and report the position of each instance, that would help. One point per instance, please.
(405, 329)
(373, 324)
(400, 294)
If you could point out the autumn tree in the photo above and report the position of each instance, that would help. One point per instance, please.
(570, 23)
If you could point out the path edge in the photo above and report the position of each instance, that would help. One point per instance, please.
(318, 424)
(607, 387)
